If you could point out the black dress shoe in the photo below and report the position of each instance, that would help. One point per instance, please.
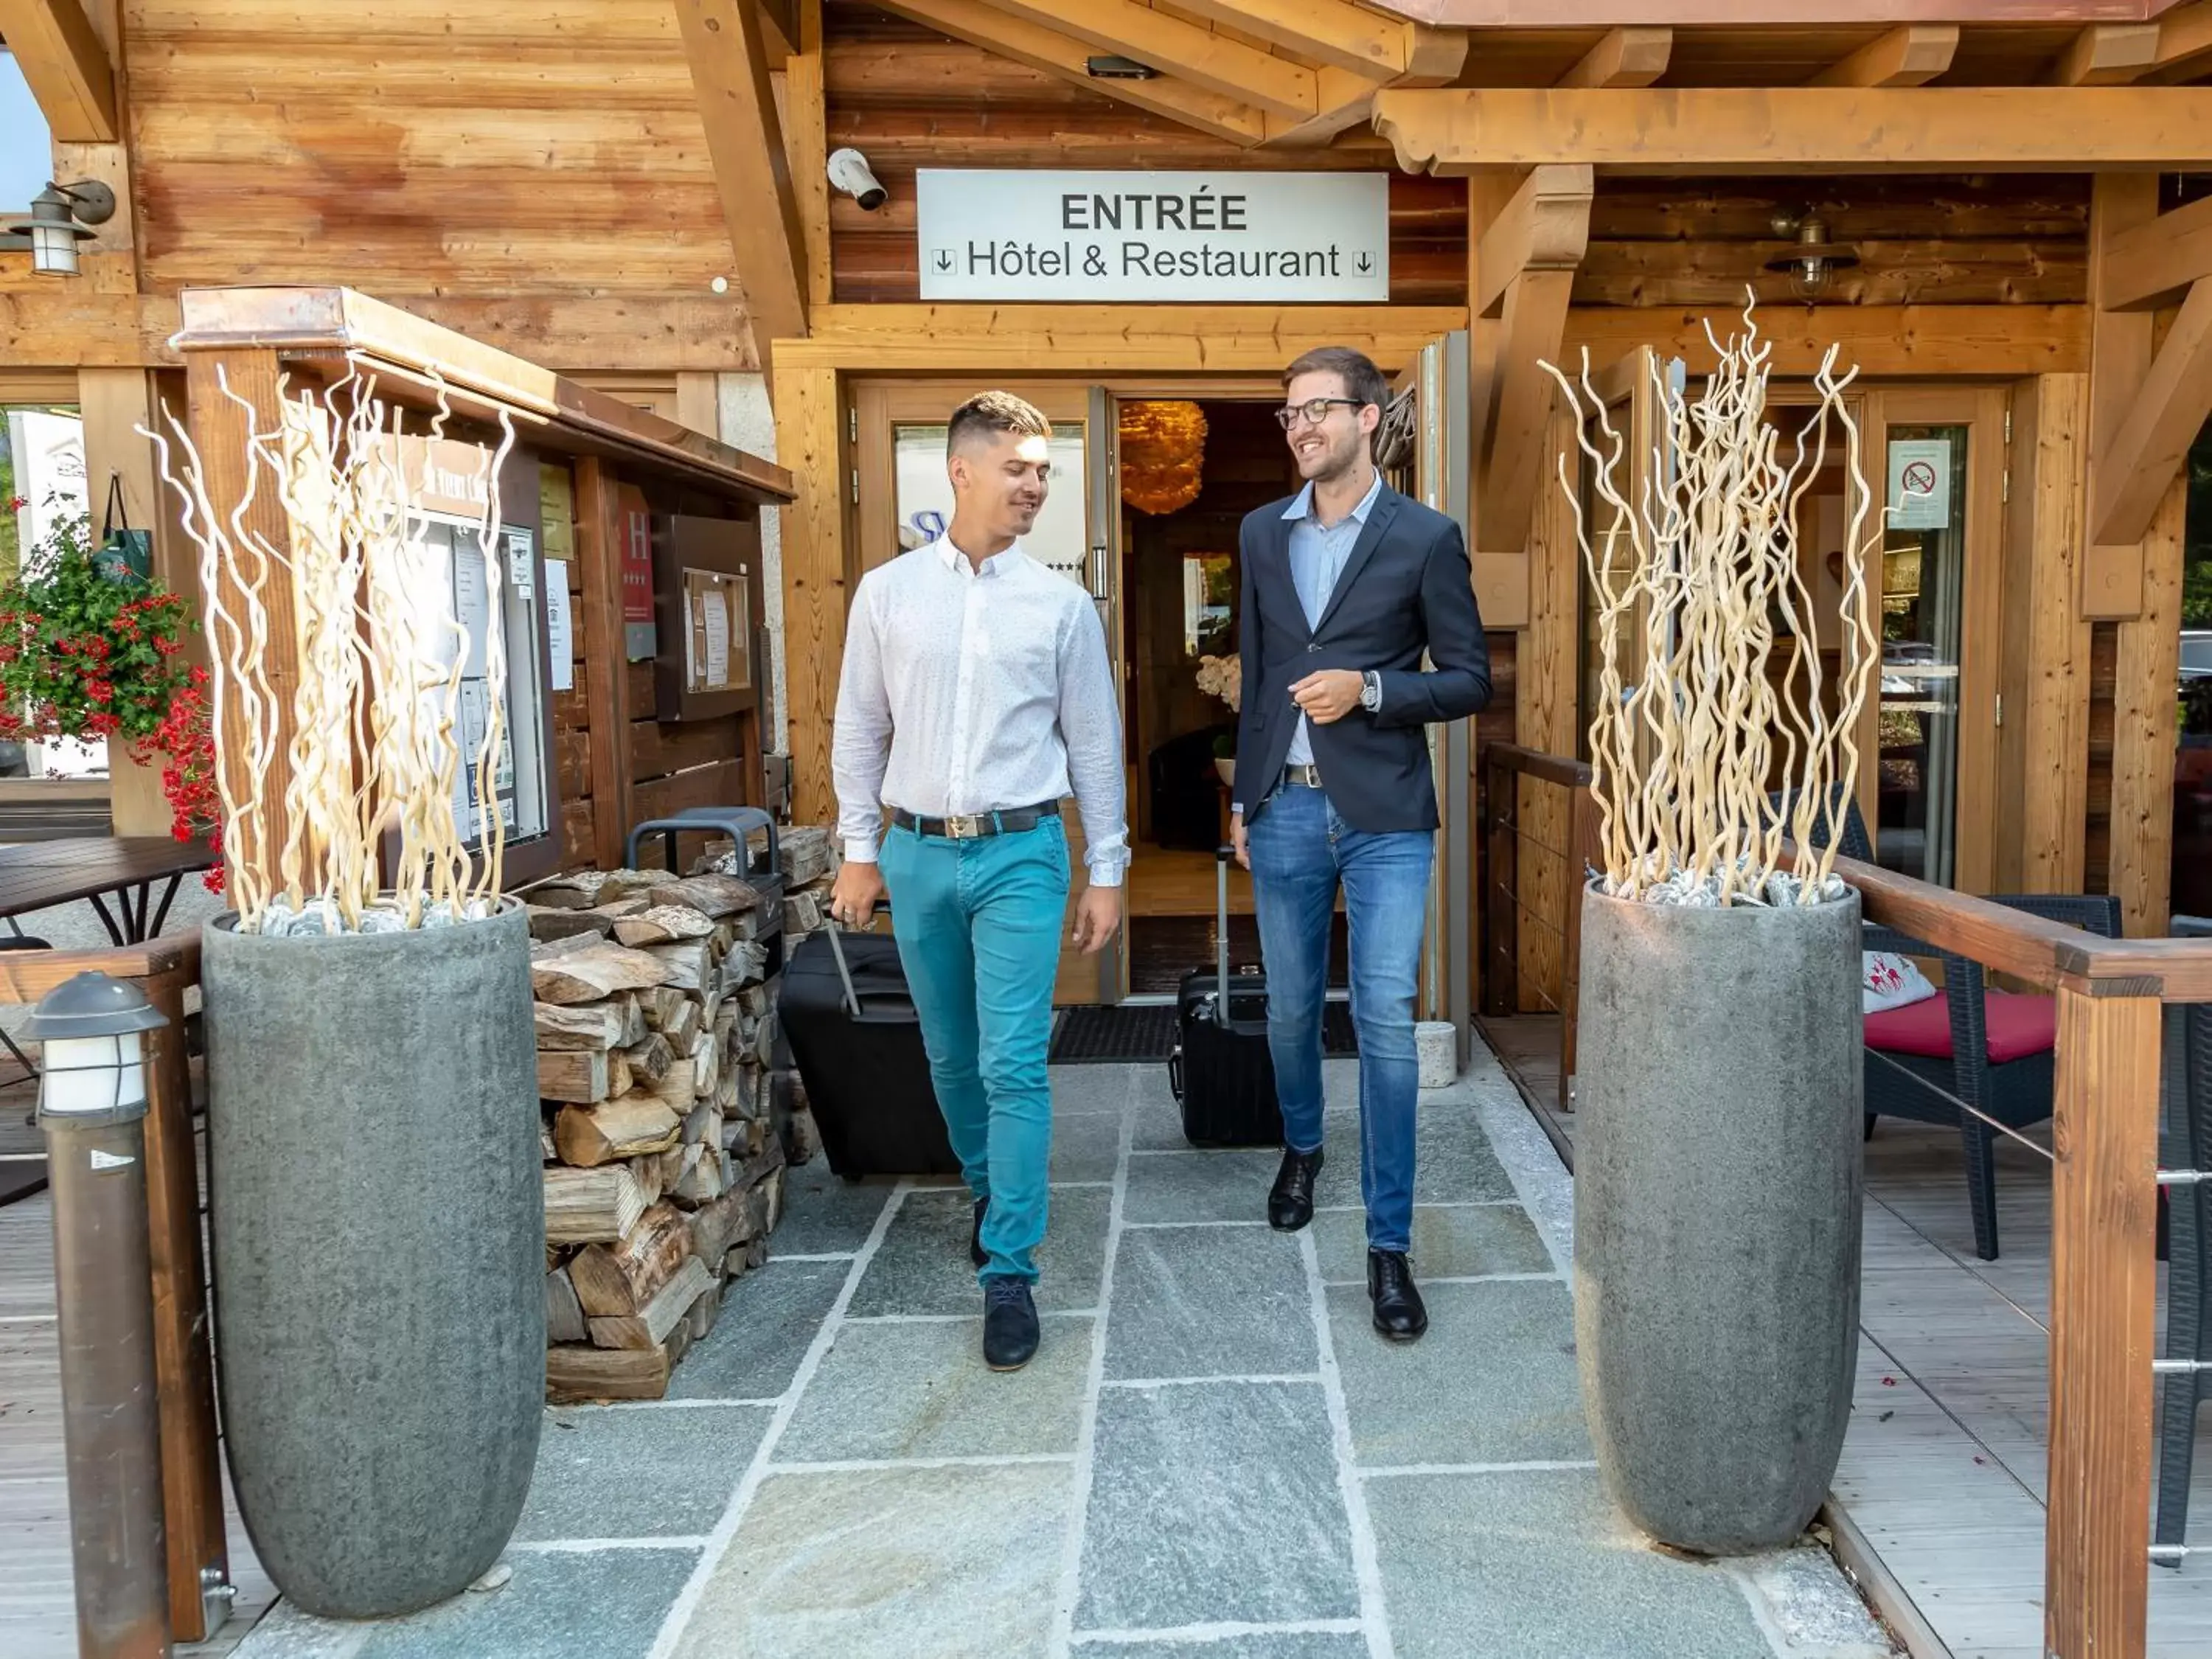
(1290, 1200)
(1398, 1314)
(1010, 1324)
(976, 1253)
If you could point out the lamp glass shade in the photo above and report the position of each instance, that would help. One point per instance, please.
(91, 1074)
(54, 249)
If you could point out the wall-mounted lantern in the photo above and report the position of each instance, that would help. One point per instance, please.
(59, 214)
(1815, 260)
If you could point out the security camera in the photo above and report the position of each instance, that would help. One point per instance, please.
(849, 172)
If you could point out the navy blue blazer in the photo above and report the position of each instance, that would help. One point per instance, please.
(1406, 588)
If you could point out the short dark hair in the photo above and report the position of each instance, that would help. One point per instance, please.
(1362, 379)
(993, 412)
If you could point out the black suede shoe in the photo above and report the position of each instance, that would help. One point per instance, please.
(1290, 1200)
(1398, 1314)
(1010, 1324)
(976, 1253)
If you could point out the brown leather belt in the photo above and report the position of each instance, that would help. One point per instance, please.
(1010, 821)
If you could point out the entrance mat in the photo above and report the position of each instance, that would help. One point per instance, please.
(1099, 1036)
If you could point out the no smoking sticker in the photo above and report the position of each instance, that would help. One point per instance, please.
(1919, 484)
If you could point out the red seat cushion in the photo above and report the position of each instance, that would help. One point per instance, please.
(2019, 1025)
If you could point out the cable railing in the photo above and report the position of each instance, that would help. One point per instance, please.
(2110, 996)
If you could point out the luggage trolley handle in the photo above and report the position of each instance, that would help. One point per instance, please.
(1221, 857)
(832, 928)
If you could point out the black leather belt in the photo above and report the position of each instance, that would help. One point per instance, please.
(1010, 820)
(1307, 777)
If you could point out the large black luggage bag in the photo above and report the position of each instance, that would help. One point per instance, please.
(1220, 1070)
(848, 1017)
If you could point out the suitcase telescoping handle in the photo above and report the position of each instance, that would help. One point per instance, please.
(1221, 857)
(844, 973)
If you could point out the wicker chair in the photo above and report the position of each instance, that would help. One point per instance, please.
(2186, 1145)
(1914, 1068)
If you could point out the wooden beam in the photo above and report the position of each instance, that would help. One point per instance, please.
(779, 29)
(1546, 227)
(725, 44)
(1910, 54)
(2107, 55)
(806, 136)
(1058, 54)
(1626, 57)
(2153, 263)
(1345, 99)
(810, 428)
(994, 339)
(1534, 325)
(599, 547)
(2146, 728)
(2185, 35)
(2104, 1293)
(1187, 51)
(1756, 130)
(2121, 350)
(66, 67)
(2165, 412)
(1329, 31)
(1904, 341)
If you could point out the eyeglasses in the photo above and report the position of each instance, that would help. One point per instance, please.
(1313, 411)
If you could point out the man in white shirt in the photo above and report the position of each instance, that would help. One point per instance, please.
(977, 693)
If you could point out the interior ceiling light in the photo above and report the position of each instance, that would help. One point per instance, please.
(1815, 260)
(1163, 447)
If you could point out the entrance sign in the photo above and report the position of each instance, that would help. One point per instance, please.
(1920, 484)
(1298, 238)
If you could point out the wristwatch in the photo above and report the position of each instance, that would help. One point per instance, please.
(1370, 690)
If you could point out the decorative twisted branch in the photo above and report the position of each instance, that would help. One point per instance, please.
(381, 658)
(1705, 710)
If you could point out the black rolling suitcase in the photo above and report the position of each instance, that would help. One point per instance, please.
(847, 1013)
(1220, 1070)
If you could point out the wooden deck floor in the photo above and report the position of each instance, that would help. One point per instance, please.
(1944, 1472)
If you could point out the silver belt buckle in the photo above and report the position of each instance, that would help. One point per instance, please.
(961, 829)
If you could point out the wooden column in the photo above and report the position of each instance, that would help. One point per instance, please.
(192, 1469)
(231, 396)
(2104, 1277)
(2120, 352)
(809, 442)
(2043, 740)
(1545, 717)
(2146, 729)
(599, 544)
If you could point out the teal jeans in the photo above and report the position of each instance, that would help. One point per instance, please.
(978, 924)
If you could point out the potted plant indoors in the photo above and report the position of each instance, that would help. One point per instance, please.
(378, 1222)
(1224, 678)
(1718, 1143)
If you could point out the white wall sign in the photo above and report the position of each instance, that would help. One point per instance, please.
(1920, 484)
(1299, 237)
(560, 642)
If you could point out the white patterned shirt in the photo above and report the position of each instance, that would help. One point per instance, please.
(968, 691)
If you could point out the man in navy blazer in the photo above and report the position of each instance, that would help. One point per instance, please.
(1347, 586)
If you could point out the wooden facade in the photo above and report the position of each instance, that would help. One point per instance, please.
(564, 181)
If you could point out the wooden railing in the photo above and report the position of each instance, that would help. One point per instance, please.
(191, 1479)
(2110, 995)
(1534, 851)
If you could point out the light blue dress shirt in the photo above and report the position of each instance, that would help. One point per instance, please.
(1318, 552)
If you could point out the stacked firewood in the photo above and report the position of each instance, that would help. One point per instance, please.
(663, 1176)
(808, 858)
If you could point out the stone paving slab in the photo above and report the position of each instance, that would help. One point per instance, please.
(1449, 1242)
(825, 1214)
(923, 1267)
(903, 1390)
(1200, 1186)
(630, 1473)
(777, 1308)
(1493, 1380)
(1210, 1302)
(1452, 1163)
(918, 1563)
(1542, 1567)
(1085, 1145)
(1215, 1502)
(1297, 1644)
(606, 1605)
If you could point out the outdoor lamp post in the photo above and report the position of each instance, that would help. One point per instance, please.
(59, 214)
(92, 1105)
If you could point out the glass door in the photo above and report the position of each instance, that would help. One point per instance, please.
(904, 501)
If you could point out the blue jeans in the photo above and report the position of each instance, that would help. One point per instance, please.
(978, 925)
(1300, 850)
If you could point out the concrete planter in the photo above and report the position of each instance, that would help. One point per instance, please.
(1718, 1170)
(380, 1232)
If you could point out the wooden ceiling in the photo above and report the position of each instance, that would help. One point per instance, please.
(1297, 75)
